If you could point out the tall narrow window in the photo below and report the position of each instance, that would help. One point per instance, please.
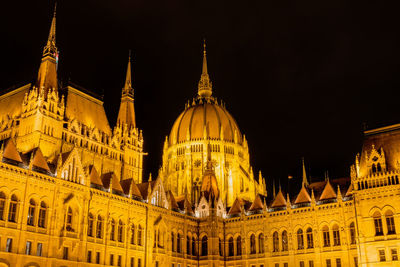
(394, 254)
(90, 224)
(178, 243)
(275, 241)
(65, 253)
(120, 231)
(230, 246)
(390, 223)
(194, 250)
(133, 234)
(9, 245)
(285, 243)
(173, 242)
(328, 263)
(139, 240)
(112, 230)
(382, 256)
(239, 246)
(31, 213)
(338, 262)
(378, 224)
(252, 244)
(39, 249)
(42, 215)
(28, 249)
(336, 235)
(300, 239)
(187, 245)
(261, 243)
(310, 238)
(99, 227)
(352, 234)
(89, 256)
(220, 247)
(68, 223)
(204, 246)
(2, 205)
(12, 211)
(325, 233)
(97, 257)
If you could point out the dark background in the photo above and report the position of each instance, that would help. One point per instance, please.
(301, 78)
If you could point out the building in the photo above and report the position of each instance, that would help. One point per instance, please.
(72, 191)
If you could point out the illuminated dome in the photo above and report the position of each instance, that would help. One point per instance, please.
(205, 119)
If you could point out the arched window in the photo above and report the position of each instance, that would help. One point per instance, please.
(173, 242)
(300, 239)
(194, 246)
(133, 234)
(253, 244)
(139, 241)
(285, 243)
(120, 231)
(42, 215)
(204, 246)
(220, 247)
(336, 235)
(112, 230)
(230, 246)
(99, 227)
(373, 168)
(239, 246)
(2, 205)
(31, 213)
(275, 241)
(378, 167)
(187, 245)
(310, 238)
(90, 224)
(352, 234)
(178, 243)
(12, 211)
(378, 224)
(68, 221)
(261, 243)
(325, 233)
(390, 223)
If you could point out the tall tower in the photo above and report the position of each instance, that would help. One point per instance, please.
(41, 121)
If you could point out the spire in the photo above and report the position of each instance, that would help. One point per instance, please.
(205, 85)
(47, 76)
(305, 182)
(126, 114)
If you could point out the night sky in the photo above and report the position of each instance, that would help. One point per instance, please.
(301, 78)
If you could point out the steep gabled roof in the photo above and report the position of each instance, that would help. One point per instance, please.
(328, 192)
(172, 200)
(303, 196)
(94, 176)
(349, 191)
(279, 200)
(110, 181)
(144, 188)
(126, 185)
(39, 161)
(257, 204)
(10, 151)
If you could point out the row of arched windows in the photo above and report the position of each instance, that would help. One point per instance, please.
(390, 225)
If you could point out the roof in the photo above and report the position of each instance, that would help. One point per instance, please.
(303, 196)
(204, 117)
(279, 200)
(94, 176)
(172, 200)
(86, 110)
(144, 188)
(11, 102)
(110, 181)
(328, 193)
(237, 206)
(10, 151)
(39, 161)
(257, 204)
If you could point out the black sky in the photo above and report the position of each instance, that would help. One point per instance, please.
(300, 77)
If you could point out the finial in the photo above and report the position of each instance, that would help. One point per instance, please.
(205, 85)
(150, 178)
(128, 90)
(304, 182)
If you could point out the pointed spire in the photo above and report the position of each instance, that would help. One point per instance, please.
(205, 85)
(305, 182)
(273, 188)
(128, 90)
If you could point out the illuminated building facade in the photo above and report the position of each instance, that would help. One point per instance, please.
(71, 190)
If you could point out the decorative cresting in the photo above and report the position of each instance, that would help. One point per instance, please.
(205, 85)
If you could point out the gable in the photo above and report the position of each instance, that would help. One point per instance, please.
(71, 167)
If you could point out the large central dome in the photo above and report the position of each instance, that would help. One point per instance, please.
(205, 119)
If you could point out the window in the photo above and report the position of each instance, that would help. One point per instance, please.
(31, 213)
(39, 249)
(12, 212)
(336, 236)
(188, 245)
(112, 231)
(325, 233)
(285, 244)
(139, 241)
(284, 264)
(276, 264)
(275, 241)
(65, 253)
(68, 222)
(382, 256)
(230, 246)
(204, 247)
(97, 257)
(28, 248)
(132, 262)
(300, 239)
(133, 234)
(139, 263)
(328, 263)
(338, 262)
(173, 242)
(194, 246)
(378, 224)
(220, 246)
(89, 256)
(390, 223)
(239, 246)
(99, 227)
(90, 224)
(178, 242)
(310, 238)
(352, 234)
(310, 263)
(355, 262)
(119, 260)
(261, 243)
(9, 245)
(301, 263)
(42, 215)
(111, 259)
(252, 244)
(120, 231)
(2, 205)
(394, 254)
